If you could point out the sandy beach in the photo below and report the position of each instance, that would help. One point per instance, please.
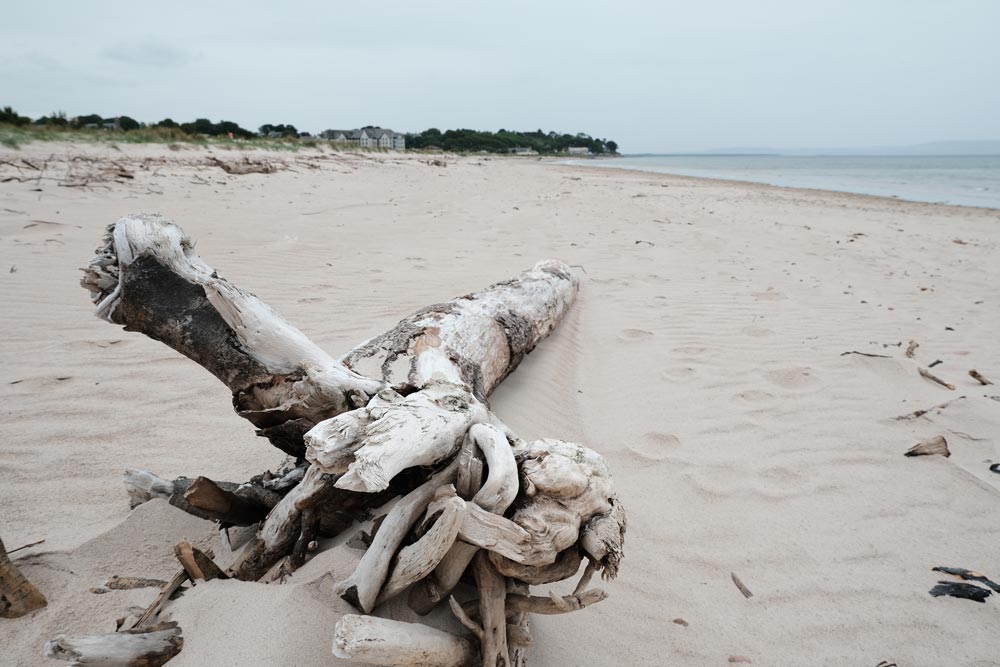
(737, 353)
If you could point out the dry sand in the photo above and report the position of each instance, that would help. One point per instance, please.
(703, 359)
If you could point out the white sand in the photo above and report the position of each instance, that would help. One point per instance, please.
(705, 365)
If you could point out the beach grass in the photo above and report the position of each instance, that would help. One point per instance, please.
(14, 137)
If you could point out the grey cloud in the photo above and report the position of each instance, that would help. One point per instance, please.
(148, 53)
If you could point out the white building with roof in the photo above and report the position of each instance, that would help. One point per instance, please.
(369, 137)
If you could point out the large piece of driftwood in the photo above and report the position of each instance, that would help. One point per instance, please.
(381, 641)
(403, 414)
(18, 596)
(147, 277)
(143, 647)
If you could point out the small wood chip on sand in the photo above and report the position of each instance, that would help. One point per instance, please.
(911, 349)
(977, 376)
(930, 447)
(740, 585)
(920, 413)
(933, 378)
(866, 354)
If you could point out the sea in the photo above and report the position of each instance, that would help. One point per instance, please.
(961, 180)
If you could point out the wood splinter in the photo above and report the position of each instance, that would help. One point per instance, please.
(932, 446)
(933, 378)
(198, 565)
(740, 585)
(977, 376)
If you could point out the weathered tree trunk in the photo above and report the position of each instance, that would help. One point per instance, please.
(403, 414)
(18, 596)
(147, 277)
(141, 647)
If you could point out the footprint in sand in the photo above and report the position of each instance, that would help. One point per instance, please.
(655, 446)
(754, 396)
(634, 334)
(757, 332)
(792, 378)
(678, 373)
(769, 295)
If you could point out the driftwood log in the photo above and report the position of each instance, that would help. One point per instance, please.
(402, 414)
(142, 647)
(18, 596)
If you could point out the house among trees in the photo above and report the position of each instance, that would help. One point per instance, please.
(578, 150)
(369, 137)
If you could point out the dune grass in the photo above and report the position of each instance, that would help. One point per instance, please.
(14, 137)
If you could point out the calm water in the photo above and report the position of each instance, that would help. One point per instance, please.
(964, 180)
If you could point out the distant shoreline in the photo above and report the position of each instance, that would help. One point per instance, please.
(949, 190)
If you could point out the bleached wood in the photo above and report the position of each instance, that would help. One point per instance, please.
(476, 339)
(148, 277)
(565, 566)
(18, 596)
(382, 641)
(463, 618)
(145, 647)
(416, 561)
(555, 604)
(492, 612)
(566, 485)
(519, 637)
(548, 605)
(603, 538)
(362, 587)
(143, 486)
(394, 433)
(495, 495)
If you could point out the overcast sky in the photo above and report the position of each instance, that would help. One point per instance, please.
(654, 76)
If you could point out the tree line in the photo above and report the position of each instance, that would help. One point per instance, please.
(504, 141)
(462, 141)
(200, 126)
